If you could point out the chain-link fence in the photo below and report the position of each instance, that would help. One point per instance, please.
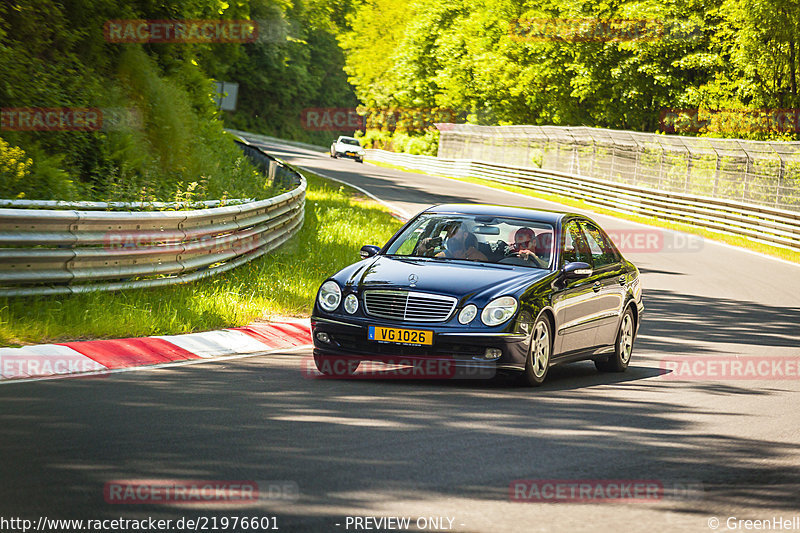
(762, 173)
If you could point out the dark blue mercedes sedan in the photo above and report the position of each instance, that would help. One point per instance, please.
(482, 287)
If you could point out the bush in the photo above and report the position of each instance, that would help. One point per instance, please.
(174, 146)
(425, 144)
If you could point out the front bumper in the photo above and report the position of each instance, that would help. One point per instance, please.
(350, 155)
(348, 338)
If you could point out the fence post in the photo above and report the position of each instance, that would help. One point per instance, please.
(688, 166)
(781, 171)
(746, 171)
(638, 160)
(716, 172)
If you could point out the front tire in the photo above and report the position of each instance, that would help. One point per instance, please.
(538, 362)
(618, 361)
(330, 365)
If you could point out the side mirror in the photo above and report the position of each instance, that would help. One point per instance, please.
(577, 270)
(368, 250)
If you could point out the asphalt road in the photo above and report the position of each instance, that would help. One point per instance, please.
(411, 448)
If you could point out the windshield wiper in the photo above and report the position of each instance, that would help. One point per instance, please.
(401, 257)
(471, 262)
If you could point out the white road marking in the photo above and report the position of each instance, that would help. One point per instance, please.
(215, 343)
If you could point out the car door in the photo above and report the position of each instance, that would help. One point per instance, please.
(575, 302)
(608, 282)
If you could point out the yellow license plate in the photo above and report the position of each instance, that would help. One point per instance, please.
(402, 336)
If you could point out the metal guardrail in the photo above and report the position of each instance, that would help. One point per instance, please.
(764, 224)
(123, 206)
(276, 140)
(66, 251)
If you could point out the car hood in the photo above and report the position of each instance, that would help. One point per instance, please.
(351, 147)
(452, 278)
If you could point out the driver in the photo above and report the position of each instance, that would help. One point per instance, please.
(524, 245)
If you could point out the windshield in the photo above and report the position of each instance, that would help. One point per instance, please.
(489, 239)
(354, 142)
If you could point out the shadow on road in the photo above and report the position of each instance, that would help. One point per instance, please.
(700, 319)
(350, 444)
(261, 419)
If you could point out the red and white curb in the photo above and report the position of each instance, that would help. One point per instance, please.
(92, 357)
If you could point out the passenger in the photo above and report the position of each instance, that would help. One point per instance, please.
(462, 244)
(544, 246)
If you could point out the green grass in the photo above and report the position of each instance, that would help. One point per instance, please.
(735, 240)
(338, 221)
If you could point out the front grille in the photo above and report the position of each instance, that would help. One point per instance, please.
(411, 306)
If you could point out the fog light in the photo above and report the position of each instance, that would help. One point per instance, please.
(323, 337)
(493, 353)
(467, 314)
(351, 303)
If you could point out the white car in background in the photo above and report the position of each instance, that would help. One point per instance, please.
(348, 147)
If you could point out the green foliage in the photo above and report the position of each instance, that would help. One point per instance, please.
(425, 144)
(478, 59)
(53, 53)
(14, 167)
(296, 64)
(457, 58)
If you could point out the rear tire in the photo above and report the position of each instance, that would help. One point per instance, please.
(623, 347)
(538, 361)
(330, 365)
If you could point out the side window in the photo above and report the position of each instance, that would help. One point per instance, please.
(575, 247)
(409, 246)
(602, 251)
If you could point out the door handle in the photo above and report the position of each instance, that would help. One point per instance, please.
(622, 280)
(596, 286)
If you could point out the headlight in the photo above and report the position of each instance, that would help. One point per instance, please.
(351, 303)
(467, 314)
(329, 295)
(499, 310)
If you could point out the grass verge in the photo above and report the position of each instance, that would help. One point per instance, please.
(734, 240)
(338, 221)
